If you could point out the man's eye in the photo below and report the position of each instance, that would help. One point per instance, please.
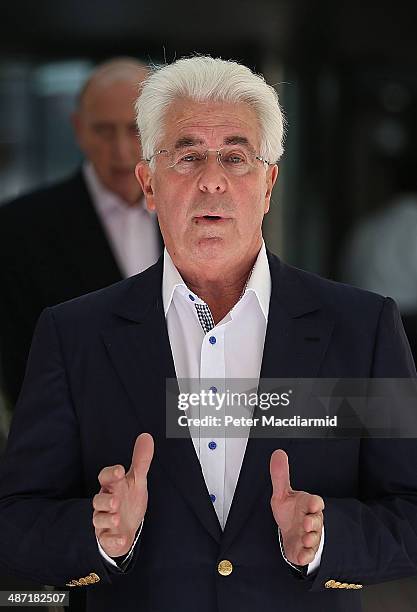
(189, 157)
(234, 159)
(103, 130)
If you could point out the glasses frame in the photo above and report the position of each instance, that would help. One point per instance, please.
(207, 151)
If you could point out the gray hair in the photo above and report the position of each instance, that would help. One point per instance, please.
(204, 79)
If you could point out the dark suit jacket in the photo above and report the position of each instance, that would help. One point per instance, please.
(96, 379)
(52, 248)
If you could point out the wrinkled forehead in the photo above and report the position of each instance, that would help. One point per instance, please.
(211, 124)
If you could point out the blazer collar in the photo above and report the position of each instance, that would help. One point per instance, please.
(288, 289)
(141, 293)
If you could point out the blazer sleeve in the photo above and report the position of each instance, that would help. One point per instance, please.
(373, 538)
(46, 530)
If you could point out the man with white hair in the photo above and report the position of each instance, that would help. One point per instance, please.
(196, 523)
(82, 233)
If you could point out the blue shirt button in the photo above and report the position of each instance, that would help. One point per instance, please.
(212, 445)
(212, 497)
(212, 340)
(214, 389)
(192, 298)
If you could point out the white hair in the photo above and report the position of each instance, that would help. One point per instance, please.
(206, 79)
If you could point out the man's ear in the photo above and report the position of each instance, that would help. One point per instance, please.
(271, 177)
(144, 177)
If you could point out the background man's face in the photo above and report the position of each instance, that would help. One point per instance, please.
(184, 204)
(107, 135)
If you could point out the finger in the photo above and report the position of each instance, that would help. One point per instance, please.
(306, 556)
(304, 502)
(313, 522)
(141, 457)
(311, 540)
(106, 520)
(315, 504)
(280, 474)
(114, 545)
(111, 475)
(105, 502)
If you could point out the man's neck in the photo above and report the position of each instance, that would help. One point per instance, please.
(220, 292)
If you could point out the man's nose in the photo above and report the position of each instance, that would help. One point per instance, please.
(125, 148)
(212, 178)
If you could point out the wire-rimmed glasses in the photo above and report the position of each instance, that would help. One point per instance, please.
(236, 161)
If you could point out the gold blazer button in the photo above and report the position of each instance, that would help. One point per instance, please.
(225, 567)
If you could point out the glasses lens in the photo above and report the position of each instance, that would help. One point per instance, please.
(234, 160)
(188, 161)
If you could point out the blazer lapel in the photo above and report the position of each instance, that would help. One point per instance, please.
(140, 353)
(296, 340)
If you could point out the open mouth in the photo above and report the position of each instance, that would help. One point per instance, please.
(210, 220)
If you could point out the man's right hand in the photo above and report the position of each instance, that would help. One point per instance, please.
(121, 503)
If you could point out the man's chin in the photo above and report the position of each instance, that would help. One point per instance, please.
(210, 249)
(130, 196)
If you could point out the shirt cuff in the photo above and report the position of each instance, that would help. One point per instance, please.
(311, 567)
(125, 562)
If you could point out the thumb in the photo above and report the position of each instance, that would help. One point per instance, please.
(141, 458)
(280, 474)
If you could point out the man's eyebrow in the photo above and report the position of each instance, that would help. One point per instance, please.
(102, 122)
(238, 140)
(187, 141)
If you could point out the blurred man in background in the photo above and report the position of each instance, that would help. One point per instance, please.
(381, 256)
(83, 233)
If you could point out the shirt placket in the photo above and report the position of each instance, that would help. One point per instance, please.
(213, 448)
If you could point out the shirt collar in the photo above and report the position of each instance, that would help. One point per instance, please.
(105, 201)
(171, 279)
(259, 282)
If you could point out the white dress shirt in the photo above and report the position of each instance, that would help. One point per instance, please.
(132, 230)
(236, 353)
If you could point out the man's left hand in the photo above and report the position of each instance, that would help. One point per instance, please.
(298, 514)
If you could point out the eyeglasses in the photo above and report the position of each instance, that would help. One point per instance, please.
(234, 160)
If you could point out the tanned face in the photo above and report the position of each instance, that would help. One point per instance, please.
(211, 218)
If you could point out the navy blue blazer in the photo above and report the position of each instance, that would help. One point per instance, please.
(96, 379)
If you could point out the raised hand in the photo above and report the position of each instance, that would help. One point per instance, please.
(298, 514)
(121, 503)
